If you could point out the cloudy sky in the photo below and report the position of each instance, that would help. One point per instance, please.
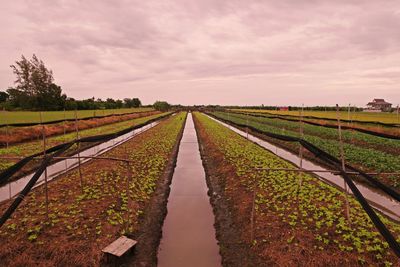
(211, 52)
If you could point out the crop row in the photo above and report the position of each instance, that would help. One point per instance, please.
(344, 115)
(9, 117)
(292, 221)
(366, 157)
(352, 137)
(32, 147)
(87, 219)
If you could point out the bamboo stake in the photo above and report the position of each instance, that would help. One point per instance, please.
(343, 162)
(301, 147)
(253, 211)
(129, 178)
(65, 139)
(79, 146)
(45, 170)
(348, 115)
(229, 118)
(9, 190)
(7, 132)
(65, 117)
(247, 126)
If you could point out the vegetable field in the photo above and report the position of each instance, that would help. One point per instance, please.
(292, 224)
(369, 152)
(257, 209)
(10, 117)
(384, 117)
(27, 148)
(87, 219)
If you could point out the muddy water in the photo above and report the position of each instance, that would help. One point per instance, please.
(377, 199)
(188, 231)
(11, 189)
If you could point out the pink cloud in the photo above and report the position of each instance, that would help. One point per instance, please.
(227, 52)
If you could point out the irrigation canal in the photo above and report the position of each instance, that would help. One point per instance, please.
(376, 198)
(188, 234)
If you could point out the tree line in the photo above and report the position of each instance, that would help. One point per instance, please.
(34, 89)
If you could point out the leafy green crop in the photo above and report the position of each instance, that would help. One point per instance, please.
(106, 207)
(314, 207)
(366, 151)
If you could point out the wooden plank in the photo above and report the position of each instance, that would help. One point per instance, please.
(120, 246)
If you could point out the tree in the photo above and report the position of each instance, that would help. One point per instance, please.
(34, 86)
(132, 102)
(3, 96)
(161, 106)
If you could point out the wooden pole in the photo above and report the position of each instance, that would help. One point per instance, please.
(301, 147)
(343, 162)
(65, 138)
(94, 118)
(129, 178)
(7, 136)
(229, 118)
(45, 170)
(7, 130)
(253, 211)
(79, 146)
(247, 126)
(9, 189)
(348, 115)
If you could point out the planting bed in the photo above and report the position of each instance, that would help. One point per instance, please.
(9, 117)
(14, 135)
(32, 147)
(368, 152)
(292, 224)
(383, 117)
(83, 221)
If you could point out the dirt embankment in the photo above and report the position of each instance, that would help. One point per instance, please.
(22, 134)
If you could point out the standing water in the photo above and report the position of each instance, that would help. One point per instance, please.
(188, 230)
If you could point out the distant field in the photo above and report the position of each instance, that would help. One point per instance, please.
(8, 117)
(360, 116)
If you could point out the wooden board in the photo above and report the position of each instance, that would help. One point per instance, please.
(120, 246)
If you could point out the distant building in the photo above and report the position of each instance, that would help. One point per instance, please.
(283, 108)
(379, 105)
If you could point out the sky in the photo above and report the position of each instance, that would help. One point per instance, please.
(223, 52)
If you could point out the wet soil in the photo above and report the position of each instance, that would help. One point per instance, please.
(151, 224)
